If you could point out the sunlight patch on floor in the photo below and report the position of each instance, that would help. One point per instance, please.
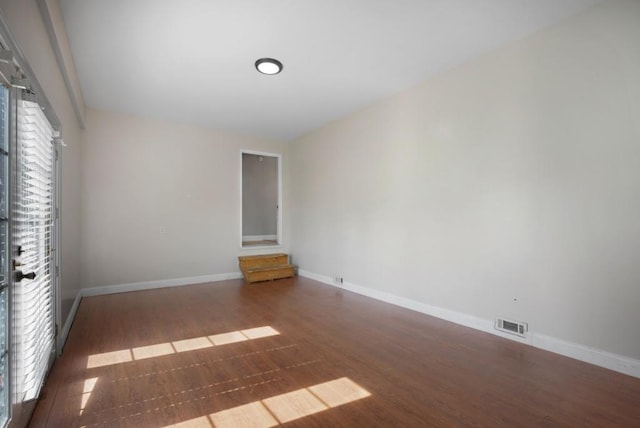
(87, 390)
(339, 392)
(227, 338)
(283, 408)
(253, 415)
(192, 344)
(109, 358)
(161, 349)
(260, 332)
(294, 405)
(152, 351)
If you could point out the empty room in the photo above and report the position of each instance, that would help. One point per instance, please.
(410, 213)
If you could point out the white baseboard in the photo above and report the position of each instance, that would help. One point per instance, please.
(135, 286)
(597, 357)
(62, 337)
(149, 285)
(576, 351)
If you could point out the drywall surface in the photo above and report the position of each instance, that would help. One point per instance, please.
(509, 186)
(25, 22)
(161, 200)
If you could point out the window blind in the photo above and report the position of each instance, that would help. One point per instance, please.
(33, 215)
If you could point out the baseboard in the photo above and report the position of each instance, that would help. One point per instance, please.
(71, 316)
(149, 285)
(597, 357)
(576, 351)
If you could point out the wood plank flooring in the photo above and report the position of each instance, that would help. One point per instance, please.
(296, 352)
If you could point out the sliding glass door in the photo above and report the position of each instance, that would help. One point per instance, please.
(27, 253)
(4, 257)
(29, 131)
(33, 222)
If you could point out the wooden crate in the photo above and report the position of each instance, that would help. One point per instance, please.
(266, 267)
(263, 260)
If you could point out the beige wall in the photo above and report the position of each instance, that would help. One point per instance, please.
(506, 187)
(161, 199)
(25, 22)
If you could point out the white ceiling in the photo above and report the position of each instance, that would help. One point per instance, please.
(193, 60)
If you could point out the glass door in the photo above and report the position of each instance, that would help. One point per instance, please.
(4, 257)
(27, 253)
(33, 219)
(28, 218)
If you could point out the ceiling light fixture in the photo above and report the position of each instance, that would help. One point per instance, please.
(268, 66)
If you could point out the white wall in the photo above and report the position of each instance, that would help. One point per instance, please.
(509, 186)
(25, 22)
(161, 199)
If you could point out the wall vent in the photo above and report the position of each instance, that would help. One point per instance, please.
(513, 327)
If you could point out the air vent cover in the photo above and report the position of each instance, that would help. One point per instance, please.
(513, 327)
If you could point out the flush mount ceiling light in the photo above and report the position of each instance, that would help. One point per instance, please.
(268, 66)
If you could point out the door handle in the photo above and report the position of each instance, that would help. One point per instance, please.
(20, 276)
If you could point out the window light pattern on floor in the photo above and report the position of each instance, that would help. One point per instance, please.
(87, 390)
(282, 408)
(160, 349)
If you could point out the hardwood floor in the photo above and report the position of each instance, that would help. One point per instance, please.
(301, 353)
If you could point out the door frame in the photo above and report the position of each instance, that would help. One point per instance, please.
(279, 233)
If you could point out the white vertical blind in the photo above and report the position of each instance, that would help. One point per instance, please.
(33, 216)
(4, 255)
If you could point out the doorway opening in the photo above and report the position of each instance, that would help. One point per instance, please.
(261, 199)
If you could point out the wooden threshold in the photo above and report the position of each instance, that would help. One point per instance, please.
(305, 354)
